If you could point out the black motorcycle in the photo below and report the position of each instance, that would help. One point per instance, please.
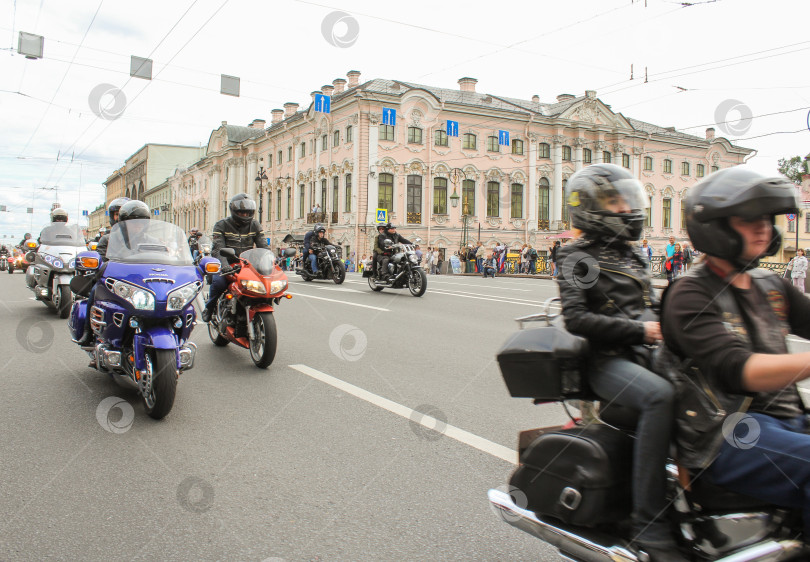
(572, 487)
(330, 266)
(403, 271)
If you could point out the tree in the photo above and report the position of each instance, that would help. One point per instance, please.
(793, 169)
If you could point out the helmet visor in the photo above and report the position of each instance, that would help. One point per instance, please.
(243, 205)
(621, 196)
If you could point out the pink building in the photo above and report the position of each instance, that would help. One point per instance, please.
(348, 163)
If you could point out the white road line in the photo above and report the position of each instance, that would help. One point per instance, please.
(516, 299)
(339, 289)
(340, 302)
(460, 435)
(501, 300)
(474, 285)
(797, 339)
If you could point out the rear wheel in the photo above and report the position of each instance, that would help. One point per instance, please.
(339, 273)
(265, 339)
(417, 282)
(373, 285)
(163, 366)
(63, 300)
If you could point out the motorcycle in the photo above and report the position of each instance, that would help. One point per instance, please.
(572, 486)
(4, 259)
(142, 314)
(204, 246)
(403, 271)
(53, 259)
(330, 265)
(17, 262)
(243, 314)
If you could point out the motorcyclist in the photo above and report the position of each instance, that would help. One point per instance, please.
(730, 321)
(112, 211)
(240, 232)
(25, 239)
(58, 215)
(308, 242)
(606, 297)
(193, 243)
(378, 250)
(395, 238)
(320, 239)
(130, 210)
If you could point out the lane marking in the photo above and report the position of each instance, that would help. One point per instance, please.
(339, 289)
(797, 339)
(340, 302)
(501, 300)
(516, 299)
(460, 435)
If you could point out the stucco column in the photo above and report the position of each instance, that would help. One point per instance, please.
(531, 189)
(578, 163)
(214, 194)
(598, 147)
(252, 169)
(635, 158)
(556, 188)
(373, 186)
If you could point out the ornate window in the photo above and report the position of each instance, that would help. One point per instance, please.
(289, 203)
(347, 204)
(348, 133)
(335, 194)
(700, 170)
(492, 144)
(626, 160)
(440, 138)
(323, 195)
(493, 195)
(414, 214)
(517, 146)
(440, 196)
(468, 197)
(336, 138)
(667, 213)
(279, 157)
(301, 195)
(587, 155)
(414, 135)
(385, 198)
(684, 168)
(324, 144)
(566, 153)
(517, 201)
(270, 160)
(278, 205)
(469, 141)
(543, 150)
(544, 202)
(648, 164)
(667, 166)
(386, 133)
(303, 151)
(715, 168)
(606, 157)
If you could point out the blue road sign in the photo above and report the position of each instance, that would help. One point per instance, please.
(452, 128)
(157, 212)
(503, 138)
(323, 104)
(389, 116)
(791, 217)
(85, 213)
(382, 215)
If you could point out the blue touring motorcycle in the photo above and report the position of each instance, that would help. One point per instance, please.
(142, 316)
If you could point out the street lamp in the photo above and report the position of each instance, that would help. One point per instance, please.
(260, 178)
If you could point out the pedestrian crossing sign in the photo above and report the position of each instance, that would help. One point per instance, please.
(382, 215)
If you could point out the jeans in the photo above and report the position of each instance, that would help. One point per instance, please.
(768, 459)
(532, 267)
(313, 263)
(619, 380)
(479, 262)
(489, 271)
(218, 286)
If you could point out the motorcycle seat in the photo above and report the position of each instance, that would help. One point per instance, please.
(712, 497)
(618, 416)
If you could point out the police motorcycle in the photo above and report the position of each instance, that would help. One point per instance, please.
(572, 487)
(403, 270)
(53, 265)
(142, 314)
(330, 266)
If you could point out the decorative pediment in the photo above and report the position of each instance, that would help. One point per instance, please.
(517, 177)
(387, 165)
(649, 189)
(594, 112)
(440, 168)
(415, 167)
(494, 174)
(668, 191)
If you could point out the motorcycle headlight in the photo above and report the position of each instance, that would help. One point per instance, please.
(57, 263)
(277, 286)
(137, 297)
(179, 298)
(72, 263)
(254, 286)
(48, 258)
(412, 258)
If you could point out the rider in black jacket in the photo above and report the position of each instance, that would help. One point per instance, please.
(390, 233)
(606, 298)
(240, 232)
(320, 239)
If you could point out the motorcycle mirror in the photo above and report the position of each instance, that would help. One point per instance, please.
(30, 257)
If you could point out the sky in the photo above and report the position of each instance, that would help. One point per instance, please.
(68, 120)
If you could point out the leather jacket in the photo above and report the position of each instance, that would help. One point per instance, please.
(606, 294)
(228, 234)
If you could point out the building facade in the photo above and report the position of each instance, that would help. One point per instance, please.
(95, 220)
(159, 200)
(153, 163)
(114, 186)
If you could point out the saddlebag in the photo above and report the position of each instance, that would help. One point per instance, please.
(545, 363)
(581, 475)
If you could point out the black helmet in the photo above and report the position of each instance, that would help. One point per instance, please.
(381, 226)
(319, 228)
(242, 208)
(27, 235)
(387, 243)
(134, 210)
(115, 207)
(59, 215)
(588, 192)
(736, 192)
(389, 226)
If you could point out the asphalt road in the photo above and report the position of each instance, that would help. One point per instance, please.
(318, 457)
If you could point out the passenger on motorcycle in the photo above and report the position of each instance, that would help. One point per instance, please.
(193, 242)
(761, 448)
(378, 250)
(239, 232)
(385, 256)
(112, 211)
(318, 238)
(606, 297)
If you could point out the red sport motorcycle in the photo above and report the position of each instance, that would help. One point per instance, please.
(243, 314)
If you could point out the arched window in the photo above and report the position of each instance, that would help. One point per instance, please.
(440, 196)
(517, 201)
(385, 197)
(493, 194)
(543, 150)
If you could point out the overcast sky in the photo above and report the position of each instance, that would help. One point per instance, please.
(698, 59)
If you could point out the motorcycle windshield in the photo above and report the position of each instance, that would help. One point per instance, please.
(204, 241)
(262, 259)
(148, 241)
(62, 234)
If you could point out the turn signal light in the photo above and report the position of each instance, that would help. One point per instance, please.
(228, 296)
(212, 267)
(31, 244)
(89, 263)
(288, 296)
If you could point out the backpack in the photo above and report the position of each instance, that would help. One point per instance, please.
(533, 254)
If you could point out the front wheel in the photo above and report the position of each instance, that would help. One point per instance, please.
(417, 282)
(265, 339)
(163, 369)
(373, 285)
(213, 333)
(339, 272)
(63, 300)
